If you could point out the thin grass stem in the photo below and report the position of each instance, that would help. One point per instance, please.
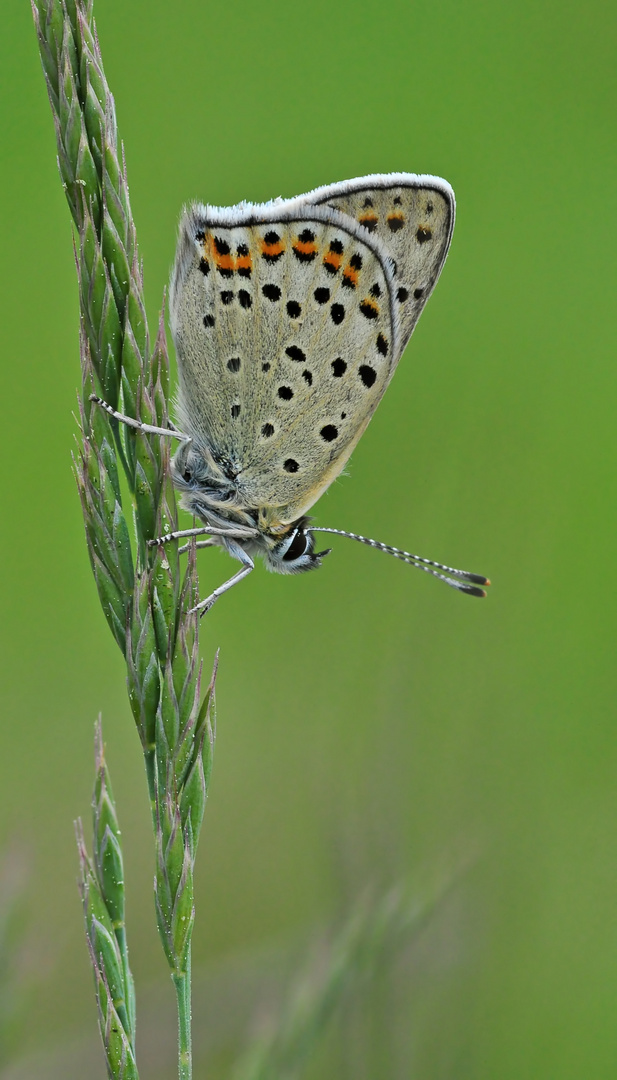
(146, 598)
(182, 984)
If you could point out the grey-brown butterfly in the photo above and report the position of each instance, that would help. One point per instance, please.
(289, 319)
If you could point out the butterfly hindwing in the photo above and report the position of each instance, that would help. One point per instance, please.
(413, 216)
(286, 327)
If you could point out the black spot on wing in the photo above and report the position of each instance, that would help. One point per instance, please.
(395, 222)
(369, 221)
(370, 311)
(329, 433)
(271, 292)
(294, 352)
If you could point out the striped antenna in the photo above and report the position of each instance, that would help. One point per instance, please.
(463, 580)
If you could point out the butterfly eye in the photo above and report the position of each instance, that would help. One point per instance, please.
(297, 548)
(187, 475)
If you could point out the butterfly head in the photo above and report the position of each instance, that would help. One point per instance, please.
(294, 553)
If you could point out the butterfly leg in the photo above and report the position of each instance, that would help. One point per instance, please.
(247, 565)
(198, 544)
(144, 429)
(179, 534)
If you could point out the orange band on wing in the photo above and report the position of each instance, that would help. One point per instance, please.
(305, 248)
(219, 252)
(350, 276)
(272, 251)
(224, 263)
(244, 262)
(332, 261)
(369, 221)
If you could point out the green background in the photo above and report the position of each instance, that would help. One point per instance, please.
(374, 726)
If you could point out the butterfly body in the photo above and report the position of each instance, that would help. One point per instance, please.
(289, 319)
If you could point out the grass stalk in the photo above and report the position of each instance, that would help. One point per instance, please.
(145, 596)
(182, 984)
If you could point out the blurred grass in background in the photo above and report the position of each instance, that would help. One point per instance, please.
(372, 724)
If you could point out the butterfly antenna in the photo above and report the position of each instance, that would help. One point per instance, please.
(462, 580)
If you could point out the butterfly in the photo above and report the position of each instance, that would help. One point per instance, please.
(289, 319)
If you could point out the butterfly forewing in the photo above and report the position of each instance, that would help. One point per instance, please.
(287, 335)
(414, 217)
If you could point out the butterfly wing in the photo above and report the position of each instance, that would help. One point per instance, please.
(413, 216)
(286, 328)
